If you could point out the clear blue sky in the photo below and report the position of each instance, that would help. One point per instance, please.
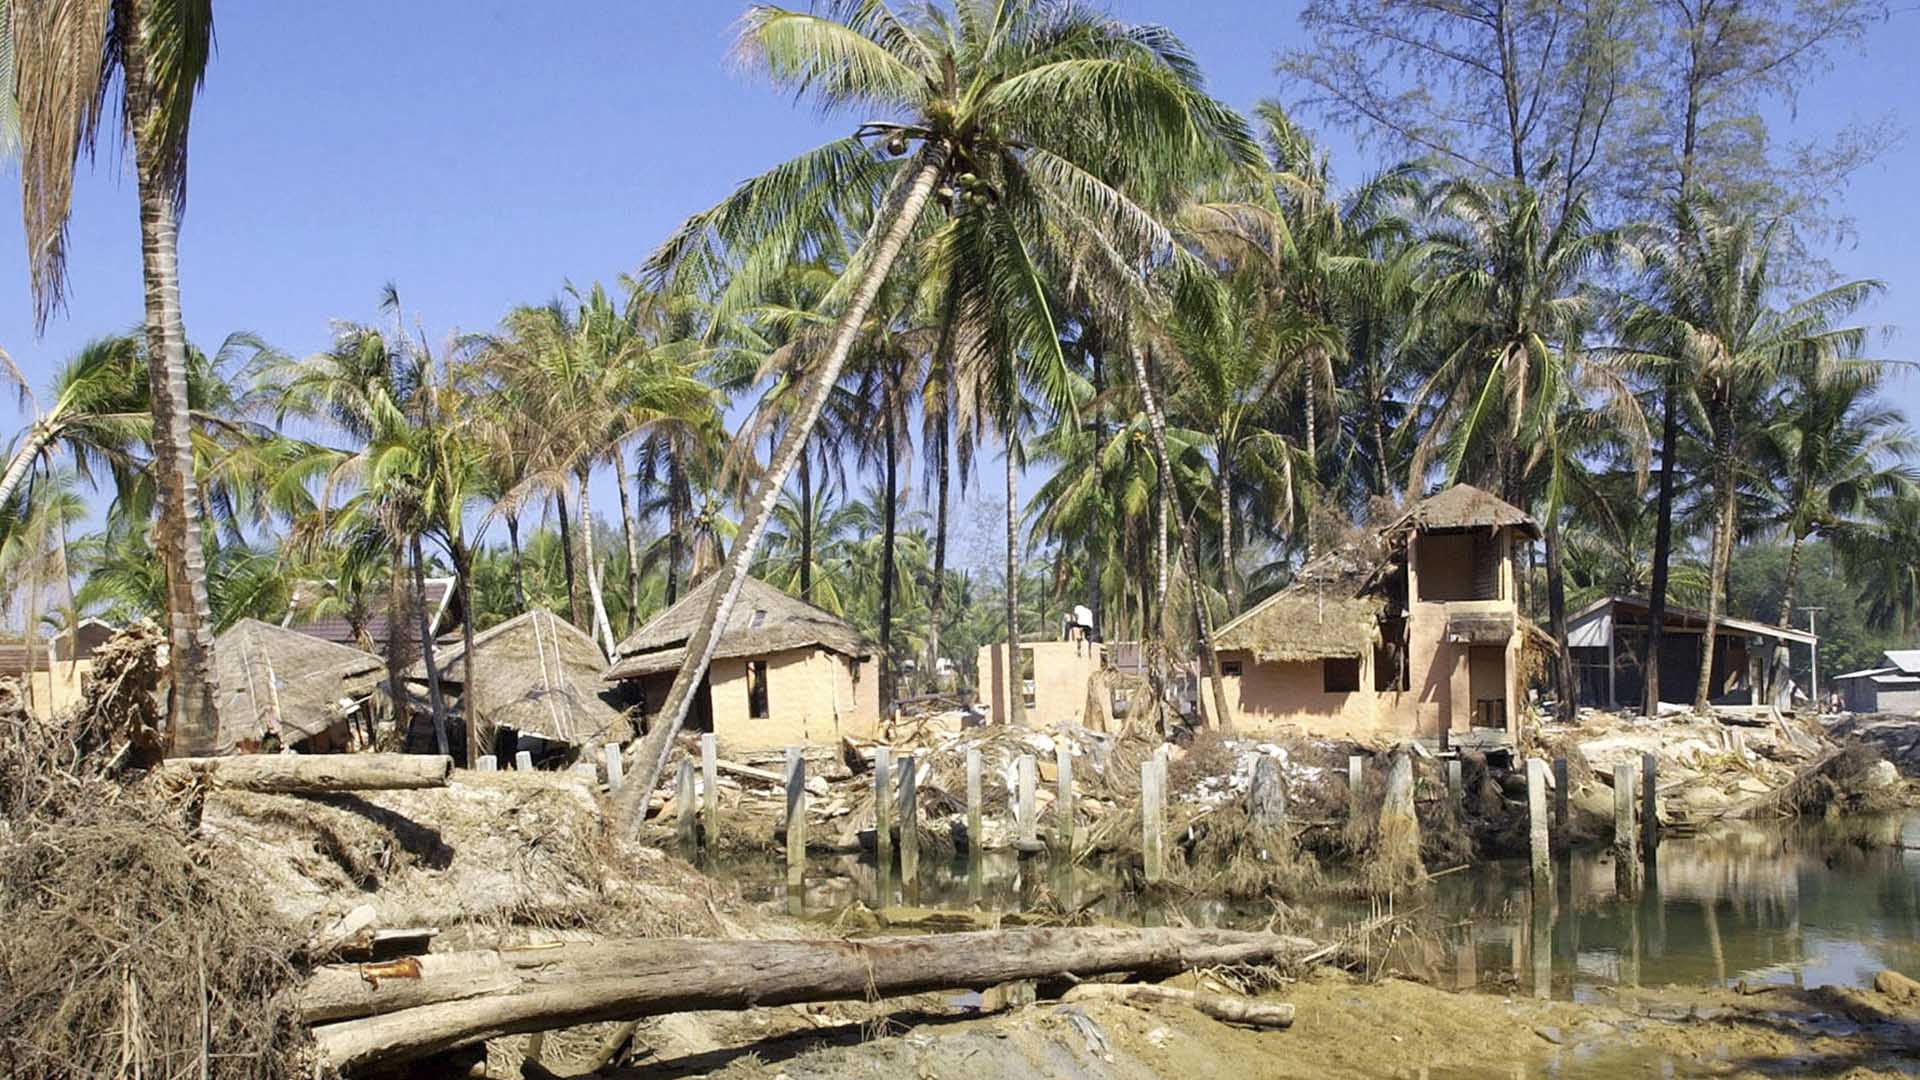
(480, 154)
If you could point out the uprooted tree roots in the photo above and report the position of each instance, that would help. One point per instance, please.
(125, 947)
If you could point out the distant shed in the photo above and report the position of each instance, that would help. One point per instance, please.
(1893, 687)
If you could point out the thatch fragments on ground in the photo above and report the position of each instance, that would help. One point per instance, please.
(765, 620)
(280, 687)
(536, 673)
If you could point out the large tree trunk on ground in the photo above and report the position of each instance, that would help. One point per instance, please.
(1662, 546)
(1557, 614)
(549, 988)
(1157, 424)
(314, 774)
(192, 714)
(650, 754)
(436, 701)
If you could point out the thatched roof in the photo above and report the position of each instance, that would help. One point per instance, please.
(764, 621)
(1304, 622)
(273, 679)
(536, 673)
(1464, 506)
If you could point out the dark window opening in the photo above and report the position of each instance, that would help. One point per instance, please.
(1027, 686)
(759, 619)
(757, 689)
(1340, 675)
(1230, 669)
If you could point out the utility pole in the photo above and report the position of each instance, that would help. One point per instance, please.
(1813, 691)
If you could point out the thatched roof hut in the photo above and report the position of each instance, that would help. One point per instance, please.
(536, 673)
(276, 681)
(1304, 622)
(765, 620)
(1463, 506)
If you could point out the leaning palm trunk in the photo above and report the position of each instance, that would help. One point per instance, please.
(651, 754)
(1157, 424)
(633, 547)
(434, 700)
(38, 438)
(601, 627)
(1557, 612)
(1724, 519)
(192, 714)
(1016, 676)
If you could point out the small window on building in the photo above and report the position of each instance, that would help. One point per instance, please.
(1340, 675)
(757, 689)
(1230, 669)
(759, 618)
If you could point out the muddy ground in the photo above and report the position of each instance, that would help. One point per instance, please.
(1344, 1029)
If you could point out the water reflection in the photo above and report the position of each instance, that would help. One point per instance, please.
(1800, 905)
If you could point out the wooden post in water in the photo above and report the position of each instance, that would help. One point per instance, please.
(975, 842)
(488, 763)
(1063, 803)
(1356, 771)
(684, 800)
(1456, 784)
(1153, 799)
(523, 761)
(796, 825)
(1537, 824)
(1626, 839)
(1029, 784)
(883, 805)
(1560, 796)
(616, 766)
(909, 829)
(1649, 807)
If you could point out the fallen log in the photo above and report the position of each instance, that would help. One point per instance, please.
(312, 774)
(1232, 1010)
(592, 982)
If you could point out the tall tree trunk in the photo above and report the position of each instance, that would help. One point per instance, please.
(27, 636)
(889, 517)
(566, 556)
(1777, 671)
(38, 437)
(519, 564)
(1662, 544)
(192, 712)
(434, 700)
(602, 628)
(651, 754)
(1157, 424)
(1098, 545)
(678, 505)
(633, 545)
(1016, 680)
(469, 702)
(399, 589)
(1725, 521)
(805, 465)
(1557, 612)
(1229, 575)
(1313, 452)
(937, 602)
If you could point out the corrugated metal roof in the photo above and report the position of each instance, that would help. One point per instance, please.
(1680, 617)
(1907, 660)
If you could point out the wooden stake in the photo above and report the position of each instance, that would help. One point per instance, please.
(488, 763)
(523, 761)
(883, 804)
(1649, 807)
(1356, 771)
(616, 767)
(1537, 824)
(684, 801)
(710, 780)
(1063, 802)
(1626, 840)
(796, 823)
(1029, 782)
(1152, 812)
(1560, 787)
(1456, 785)
(975, 841)
(909, 829)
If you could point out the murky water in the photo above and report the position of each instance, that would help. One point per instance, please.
(1791, 904)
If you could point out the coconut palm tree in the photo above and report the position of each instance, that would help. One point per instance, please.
(65, 57)
(1712, 282)
(1012, 114)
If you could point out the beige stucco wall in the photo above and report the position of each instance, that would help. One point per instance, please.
(813, 696)
(1442, 682)
(57, 689)
(1270, 698)
(1061, 670)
